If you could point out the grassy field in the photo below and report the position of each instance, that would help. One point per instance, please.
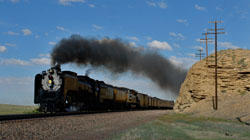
(16, 109)
(185, 127)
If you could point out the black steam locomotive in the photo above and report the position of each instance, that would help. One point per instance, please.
(59, 91)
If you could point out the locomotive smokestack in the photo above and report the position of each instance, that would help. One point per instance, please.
(119, 57)
(57, 67)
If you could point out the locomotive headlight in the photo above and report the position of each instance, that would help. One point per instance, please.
(51, 81)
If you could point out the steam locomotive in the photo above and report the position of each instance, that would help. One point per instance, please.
(60, 91)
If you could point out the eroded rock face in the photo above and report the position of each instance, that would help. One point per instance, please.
(233, 78)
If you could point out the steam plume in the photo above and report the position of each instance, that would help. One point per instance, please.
(119, 57)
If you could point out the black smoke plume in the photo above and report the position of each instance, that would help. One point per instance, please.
(88, 71)
(119, 57)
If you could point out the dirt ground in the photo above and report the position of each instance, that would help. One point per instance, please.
(87, 127)
(133, 125)
(229, 107)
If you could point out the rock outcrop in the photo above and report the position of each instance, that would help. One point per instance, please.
(233, 81)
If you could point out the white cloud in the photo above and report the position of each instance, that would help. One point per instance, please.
(243, 14)
(40, 61)
(26, 32)
(219, 9)
(43, 60)
(69, 2)
(191, 54)
(18, 62)
(196, 6)
(148, 38)
(141, 84)
(176, 45)
(60, 28)
(16, 90)
(183, 62)
(91, 5)
(52, 43)
(133, 38)
(184, 21)
(44, 55)
(160, 45)
(198, 48)
(177, 35)
(97, 27)
(16, 80)
(228, 45)
(10, 45)
(180, 36)
(37, 36)
(198, 40)
(12, 33)
(14, 1)
(2, 49)
(13, 61)
(181, 20)
(132, 44)
(172, 34)
(153, 4)
(162, 4)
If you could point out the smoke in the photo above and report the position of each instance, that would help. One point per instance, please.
(88, 71)
(119, 57)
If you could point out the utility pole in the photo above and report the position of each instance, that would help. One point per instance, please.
(215, 102)
(200, 54)
(208, 40)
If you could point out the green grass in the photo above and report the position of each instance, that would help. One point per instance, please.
(223, 91)
(242, 93)
(186, 127)
(241, 62)
(16, 109)
(233, 58)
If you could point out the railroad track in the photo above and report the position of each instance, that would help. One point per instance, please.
(46, 115)
(30, 116)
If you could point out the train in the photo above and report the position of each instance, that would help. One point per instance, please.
(65, 91)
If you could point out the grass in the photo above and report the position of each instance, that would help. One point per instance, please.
(223, 91)
(185, 127)
(17, 109)
(233, 58)
(242, 93)
(242, 61)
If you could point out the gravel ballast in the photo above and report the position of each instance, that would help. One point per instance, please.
(91, 126)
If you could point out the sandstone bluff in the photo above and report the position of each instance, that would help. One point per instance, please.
(233, 86)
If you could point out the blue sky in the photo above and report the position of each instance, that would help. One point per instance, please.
(30, 28)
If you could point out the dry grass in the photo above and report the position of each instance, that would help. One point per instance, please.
(183, 126)
(16, 109)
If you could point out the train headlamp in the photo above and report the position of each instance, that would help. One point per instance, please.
(51, 81)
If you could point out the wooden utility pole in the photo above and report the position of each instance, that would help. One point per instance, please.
(208, 40)
(200, 54)
(215, 101)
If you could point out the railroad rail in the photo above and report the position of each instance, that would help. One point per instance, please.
(44, 115)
